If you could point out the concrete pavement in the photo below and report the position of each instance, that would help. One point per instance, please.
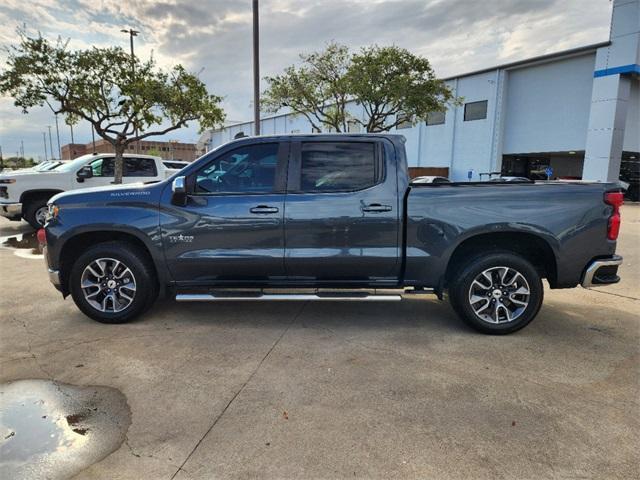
(358, 390)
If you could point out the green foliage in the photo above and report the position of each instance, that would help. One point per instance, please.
(155, 152)
(390, 83)
(125, 99)
(317, 89)
(16, 162)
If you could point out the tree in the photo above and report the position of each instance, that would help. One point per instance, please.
(390, 83)
(317, 89)
(123, 98)
(393, 85)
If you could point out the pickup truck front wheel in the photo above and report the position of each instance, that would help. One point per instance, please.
(113, 282)
(35, 212)
(497, 293)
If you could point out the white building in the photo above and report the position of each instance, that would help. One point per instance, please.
(576, 111)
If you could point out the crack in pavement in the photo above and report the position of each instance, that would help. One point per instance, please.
(32, 354)
(215, 421)
(614, 294)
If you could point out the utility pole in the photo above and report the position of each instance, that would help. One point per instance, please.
(256, 69)
(72, 147)
(44, 140)
(50, 143)
(22, 148)
(58, 136)
(133, 33)
(93, 137)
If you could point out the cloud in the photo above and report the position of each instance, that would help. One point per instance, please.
(214, 37)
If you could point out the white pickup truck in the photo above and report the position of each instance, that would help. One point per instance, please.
(24, 194)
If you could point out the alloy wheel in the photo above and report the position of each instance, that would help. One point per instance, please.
(108, 285)
(41, 215)
(499, 295)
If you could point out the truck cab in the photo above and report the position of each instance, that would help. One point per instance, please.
(341, 222)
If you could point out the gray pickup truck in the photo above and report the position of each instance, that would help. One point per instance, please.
(329, 217)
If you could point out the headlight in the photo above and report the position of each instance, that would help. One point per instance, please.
(7, 180)
(53, 210)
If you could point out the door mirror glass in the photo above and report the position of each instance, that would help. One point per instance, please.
(179, 189)
(84, 172)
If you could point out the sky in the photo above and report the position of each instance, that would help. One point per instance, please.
(213, 38)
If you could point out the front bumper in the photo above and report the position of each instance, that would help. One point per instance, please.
(12, 211)
(54, 275)
(603, 271)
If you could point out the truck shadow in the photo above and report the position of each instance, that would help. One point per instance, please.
(365, 315)
(431, 316)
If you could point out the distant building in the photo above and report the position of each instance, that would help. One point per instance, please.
(185, 152)
(571, 114)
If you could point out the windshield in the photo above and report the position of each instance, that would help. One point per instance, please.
(75, 164)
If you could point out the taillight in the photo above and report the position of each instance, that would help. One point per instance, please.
(42, 236)
(615, 199)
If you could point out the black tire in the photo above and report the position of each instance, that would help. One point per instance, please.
(460, 292)
(31, 211)
(139, 265)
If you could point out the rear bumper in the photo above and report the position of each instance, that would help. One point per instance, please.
(12, 211)
(603, 271)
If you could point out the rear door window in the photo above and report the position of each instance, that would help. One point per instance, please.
(338, 166)
(140, 167)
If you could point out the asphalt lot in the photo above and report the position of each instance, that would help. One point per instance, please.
(337, 390)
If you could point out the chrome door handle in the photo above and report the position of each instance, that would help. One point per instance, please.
(376, 208)
(264, 209)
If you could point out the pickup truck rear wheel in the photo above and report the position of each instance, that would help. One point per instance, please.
(497, 293)
(113, 282)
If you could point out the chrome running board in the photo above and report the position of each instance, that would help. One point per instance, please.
(208, 297)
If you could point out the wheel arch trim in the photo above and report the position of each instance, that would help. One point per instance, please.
(111, 233)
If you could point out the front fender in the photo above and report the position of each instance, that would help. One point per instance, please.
(99, 222)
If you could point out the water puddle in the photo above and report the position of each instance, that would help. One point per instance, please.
(25, 245)
(53, 430)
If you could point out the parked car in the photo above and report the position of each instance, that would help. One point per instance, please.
(49, 165)
(429, 179)
(334, 212)
(510, 179)
(40, 167)
(24, 194)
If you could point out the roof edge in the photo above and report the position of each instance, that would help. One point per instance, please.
(533, 60)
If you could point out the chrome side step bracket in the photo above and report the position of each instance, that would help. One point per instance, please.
(208, 297)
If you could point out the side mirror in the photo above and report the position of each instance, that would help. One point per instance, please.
(84, 172)
(179, 189)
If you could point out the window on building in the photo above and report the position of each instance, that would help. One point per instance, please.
(436, 118)
(338, 166)
(475, 110)
(249, 169)
(404, 122)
